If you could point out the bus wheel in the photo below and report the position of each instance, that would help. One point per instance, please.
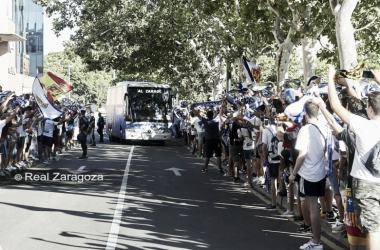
(161, 143)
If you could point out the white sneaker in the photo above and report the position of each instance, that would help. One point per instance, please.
(74, 148)
(34, 158)
(338, 227)
(18, 166)
(261, 181)
(47, 161)
(63, 151)
(311, 245)
(55, 158)
(288, 214)
(22, 164)
(12, 168)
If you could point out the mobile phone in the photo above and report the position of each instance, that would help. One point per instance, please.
(262, 117)
(266, 122)
(368, 74)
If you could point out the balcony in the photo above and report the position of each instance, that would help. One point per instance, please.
(7, 31)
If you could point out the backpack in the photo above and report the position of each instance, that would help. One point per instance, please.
(273, 153)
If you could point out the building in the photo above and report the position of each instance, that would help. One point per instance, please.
(21, 44)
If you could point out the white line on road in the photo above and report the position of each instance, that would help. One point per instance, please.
(114, 232)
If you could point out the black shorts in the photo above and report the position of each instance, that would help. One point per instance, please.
(249, 154)
(39, 138)
(213, 145)
(192, 137)
(307, 188)
(274, 170)
(47, 141)
(69, 134)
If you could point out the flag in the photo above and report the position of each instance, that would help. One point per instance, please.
(252, 71)
(47, 108)
(55, 86)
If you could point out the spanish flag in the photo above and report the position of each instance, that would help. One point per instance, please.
(55, 87)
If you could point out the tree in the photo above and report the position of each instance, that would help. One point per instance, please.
(90, 87)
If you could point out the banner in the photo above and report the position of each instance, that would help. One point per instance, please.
(55, 86)
(47, 109)
(252, 71)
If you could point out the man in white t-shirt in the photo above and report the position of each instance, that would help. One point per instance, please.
(271, 160)
(199, 127)
(366, 186)
(311, 167)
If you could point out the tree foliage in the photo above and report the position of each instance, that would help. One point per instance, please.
(90, 86)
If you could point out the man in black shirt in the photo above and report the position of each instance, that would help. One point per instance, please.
(83, 126)
(92, 129)
(100, 126)
(213, 143)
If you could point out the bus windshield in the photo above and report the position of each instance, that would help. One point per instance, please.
(150, 104)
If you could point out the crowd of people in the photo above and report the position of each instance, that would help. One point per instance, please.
(315, 146)
(27, 136)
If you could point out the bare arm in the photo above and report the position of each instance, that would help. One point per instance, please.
(329, 117)
(334, 100)
(196, 113)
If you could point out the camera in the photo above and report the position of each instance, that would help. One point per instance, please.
(266, 122)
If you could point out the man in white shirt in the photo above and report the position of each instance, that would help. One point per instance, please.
(366, 186)
(271, 160)
(310, 165)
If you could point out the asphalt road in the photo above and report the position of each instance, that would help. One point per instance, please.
(137, 201)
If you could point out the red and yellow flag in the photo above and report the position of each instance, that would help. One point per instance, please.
(55, 86)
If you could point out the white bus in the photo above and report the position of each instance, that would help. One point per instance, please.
(139, 111)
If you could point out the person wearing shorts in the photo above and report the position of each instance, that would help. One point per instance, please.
(212, 135)
(310, 166)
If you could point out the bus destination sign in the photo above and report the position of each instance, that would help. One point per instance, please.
(150, 91)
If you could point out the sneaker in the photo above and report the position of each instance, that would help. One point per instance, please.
(34, 158)
(311, 245)
(330, 216)
(12, 168)
(55, 158)
(22, 164)
(2, 174)
(63, 151)
(29, 161)
(220, 171)
(246, 184)
(304, 229)
(338, 227)
(261, 181)
(282, 193)
(47, 161)
(18, 166)
(74, 148)
(236, 179)
(270, 208)
(298, 218)
(83, 157)
(288, 214)
(6, 172)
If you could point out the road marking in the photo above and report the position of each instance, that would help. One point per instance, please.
(80, 170)
(114, 231)
(176, 171)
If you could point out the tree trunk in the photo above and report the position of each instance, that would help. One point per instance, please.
(309, 57)
(283, 56)
(345, 34)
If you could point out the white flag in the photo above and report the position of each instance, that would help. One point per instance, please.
(47, 109)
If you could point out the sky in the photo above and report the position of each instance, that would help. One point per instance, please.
(52, 43)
